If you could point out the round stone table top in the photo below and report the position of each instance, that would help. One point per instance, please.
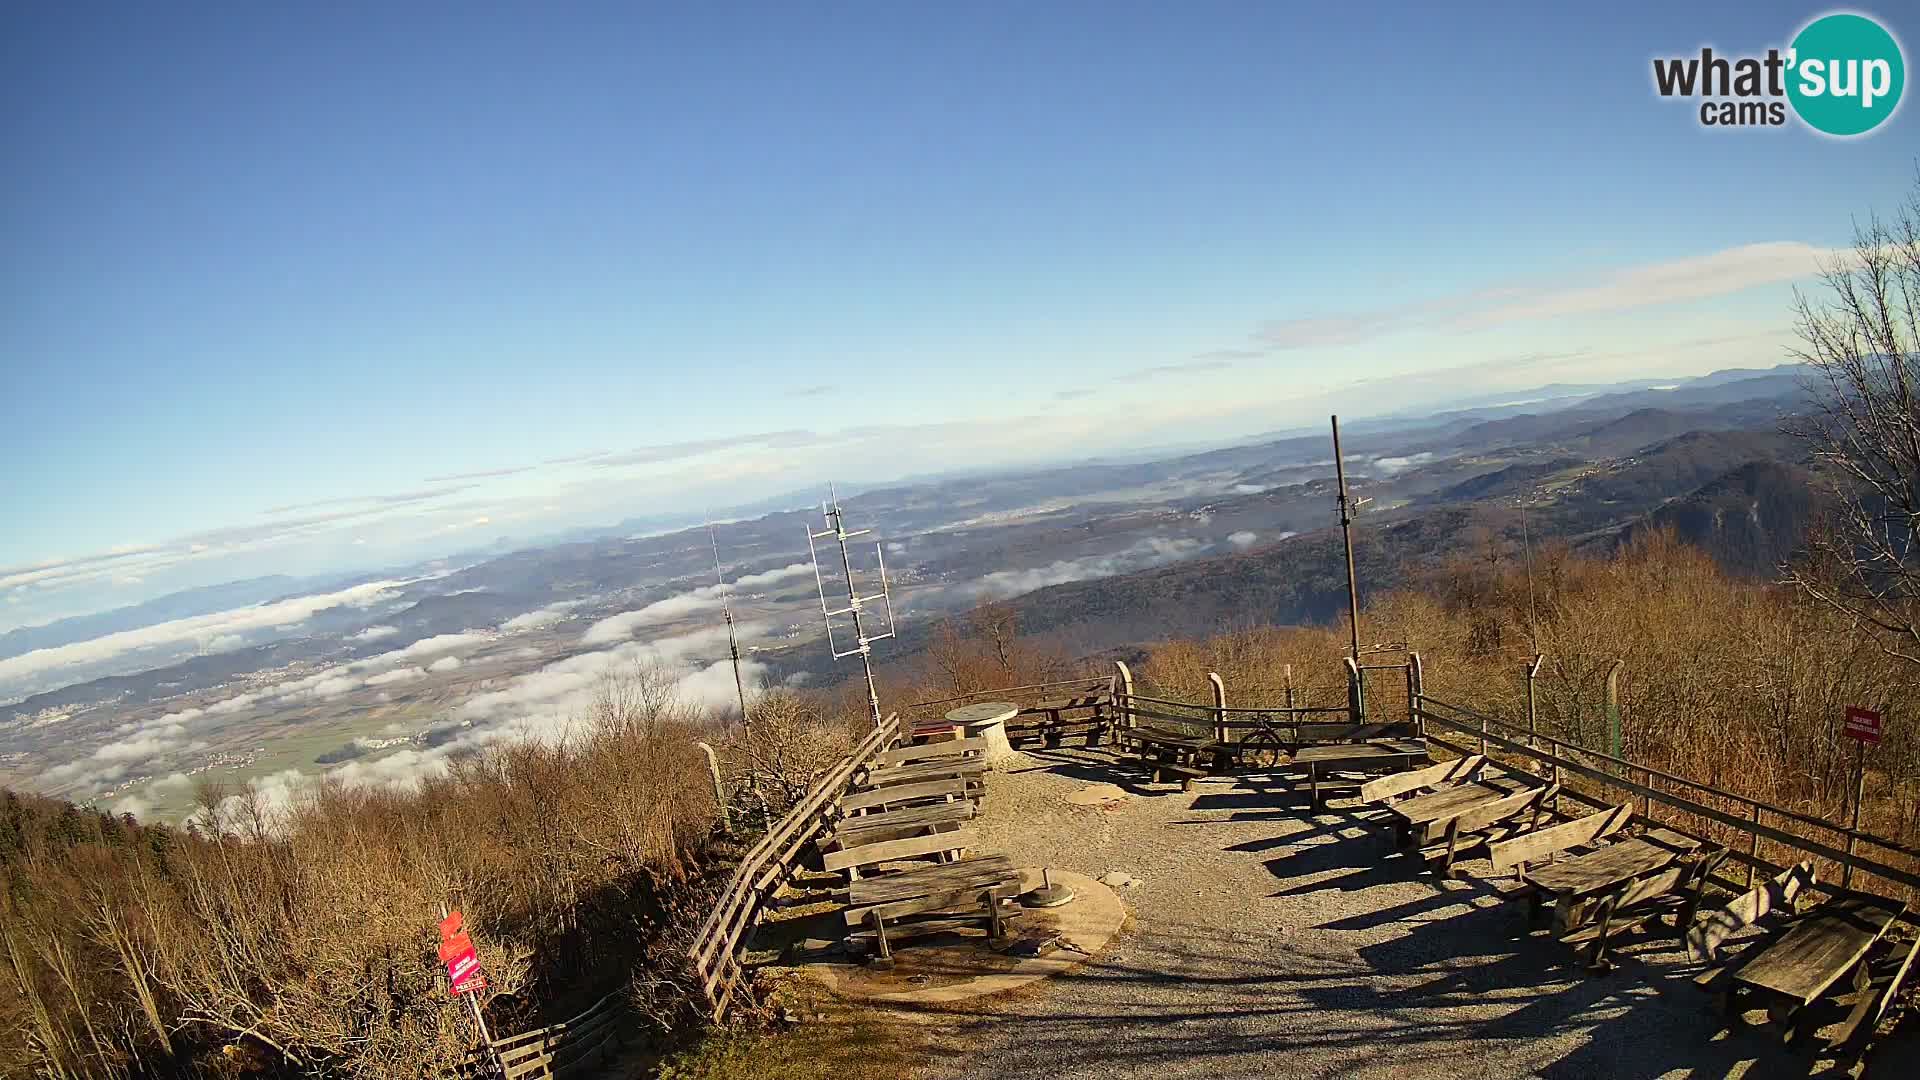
(984, 712)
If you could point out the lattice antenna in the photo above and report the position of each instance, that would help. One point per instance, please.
(733, 639)
(862, 640)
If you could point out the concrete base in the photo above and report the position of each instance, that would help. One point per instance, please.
(998, 749)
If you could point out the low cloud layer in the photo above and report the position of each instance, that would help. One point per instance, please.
(1155, 551)
(198, 631)
(707, 598)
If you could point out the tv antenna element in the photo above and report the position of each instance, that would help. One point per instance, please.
(862, 640)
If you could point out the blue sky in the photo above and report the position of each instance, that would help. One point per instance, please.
(279, 281)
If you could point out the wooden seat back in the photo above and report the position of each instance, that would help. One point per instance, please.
(1778, 894)
(1459, 770)
(1521, 850)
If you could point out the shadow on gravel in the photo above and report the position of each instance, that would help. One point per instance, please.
(1082, 766)
(1214, 1007)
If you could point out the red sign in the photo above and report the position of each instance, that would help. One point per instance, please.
(1863, 724)
(463, 963)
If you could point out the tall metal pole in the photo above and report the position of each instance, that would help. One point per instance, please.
(733, 640)
(1346, 536)
(1353, 584)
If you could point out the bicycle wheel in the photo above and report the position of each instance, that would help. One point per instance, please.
(1261, 750)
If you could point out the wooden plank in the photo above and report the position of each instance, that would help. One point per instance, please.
(1554, 839)
(1459, 770)
(908, 794)
(1821, 946)
(1631, 894)
(867, 829)
(928, 927)
(1449, 802)
(1483, 815)
(977, 871)
(1705, 937)
(531, 1067)
(913, 847)
(920, 751)
(924, 771)
(1600, 870)
(1360, 755)
(972, 897)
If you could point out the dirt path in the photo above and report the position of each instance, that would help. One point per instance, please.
(1270, 943)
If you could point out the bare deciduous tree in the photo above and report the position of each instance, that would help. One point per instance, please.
(1862, 340)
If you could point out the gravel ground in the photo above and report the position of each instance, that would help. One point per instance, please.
(1268, 942)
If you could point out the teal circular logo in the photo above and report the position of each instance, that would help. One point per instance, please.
(1846, 74)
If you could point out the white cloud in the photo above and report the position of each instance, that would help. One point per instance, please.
(430, 646)
(398, 675)
(1154, 551)
(540, 617)
(374, 633)
(183, 632)
(623, 626)
(444, 664)
(1242, 539)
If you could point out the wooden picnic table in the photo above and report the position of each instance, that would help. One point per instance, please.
(1372, 756)
(1574, 881)
(1819, 948)
(1421, 819)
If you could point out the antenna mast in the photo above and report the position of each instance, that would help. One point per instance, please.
(863, 642)
(733, 639)
(1346, 536)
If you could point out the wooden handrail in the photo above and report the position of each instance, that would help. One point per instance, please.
(1678, 802)
(1744, 800)
(715, 949)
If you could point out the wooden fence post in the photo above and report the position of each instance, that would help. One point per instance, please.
(1356, 693)
(1753, 845)
(1287, 673)
(1123, 699)
(719, 789)
(1219, 708)
(1533, 701)
(1416, 689)
(1614, 745)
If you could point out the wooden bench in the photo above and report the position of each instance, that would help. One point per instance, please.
(1423, 819)
(1088, 714)
(936, 899)
(1483, 823)
(1447, 773)
(1876, 983)
(1770, 905)
(1676, 891)
(896, 796)
(1812, 955)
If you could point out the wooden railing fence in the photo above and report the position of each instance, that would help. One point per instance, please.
(715, 953)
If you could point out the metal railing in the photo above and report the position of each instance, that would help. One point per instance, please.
(1741, 815)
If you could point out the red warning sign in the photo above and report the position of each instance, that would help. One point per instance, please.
(1863, 724)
